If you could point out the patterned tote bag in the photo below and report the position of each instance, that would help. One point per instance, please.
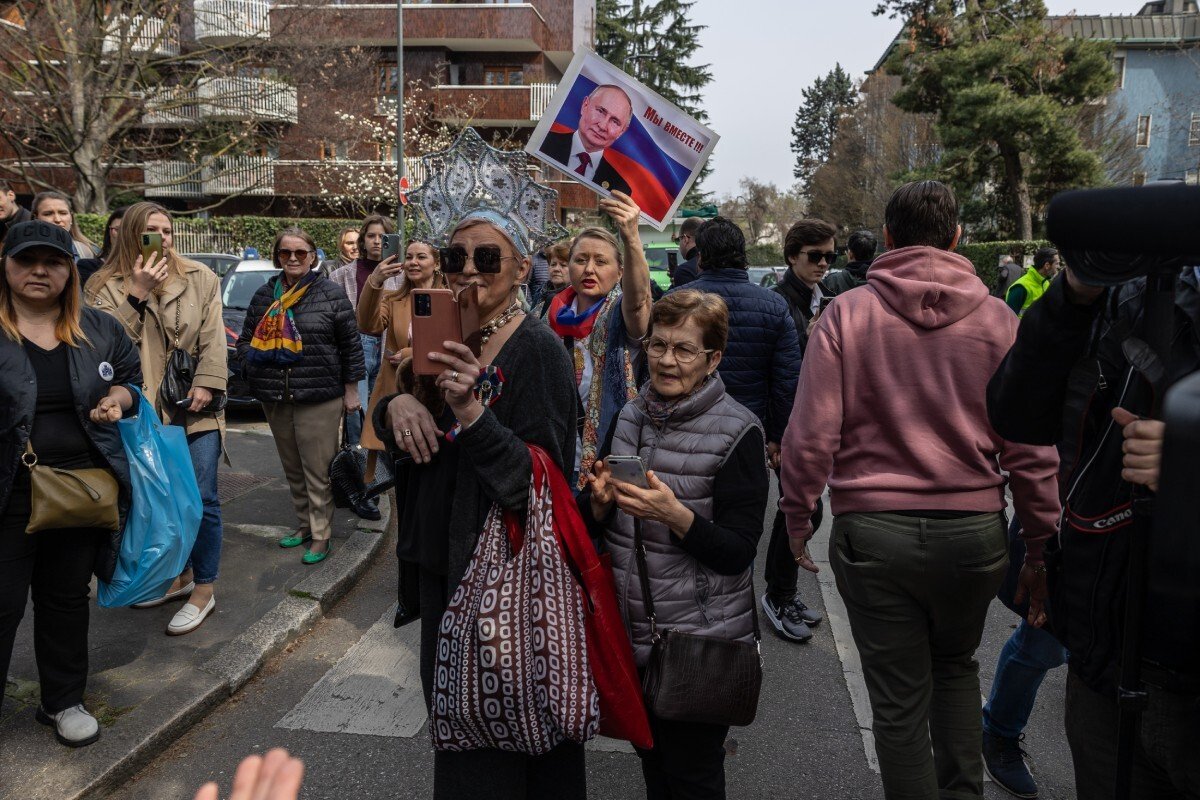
(511, 670)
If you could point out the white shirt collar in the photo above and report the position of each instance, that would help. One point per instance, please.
(577, 148)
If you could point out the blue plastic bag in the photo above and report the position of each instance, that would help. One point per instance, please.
(164, 516)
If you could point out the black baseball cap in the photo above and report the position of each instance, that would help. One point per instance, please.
(37, 233)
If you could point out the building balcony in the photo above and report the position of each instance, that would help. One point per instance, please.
(248, 175)
(500, 106)
(176, 179)
(220, 23)
(470, 27)
(226, 99)
(145, 35)
(169, 109)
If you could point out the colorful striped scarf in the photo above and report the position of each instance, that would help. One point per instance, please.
(276, 341)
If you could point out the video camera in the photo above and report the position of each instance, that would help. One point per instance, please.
(1109, 237)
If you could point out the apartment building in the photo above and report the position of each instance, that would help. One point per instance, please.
(324, 119)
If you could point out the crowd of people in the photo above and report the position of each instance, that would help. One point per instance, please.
(897, 386)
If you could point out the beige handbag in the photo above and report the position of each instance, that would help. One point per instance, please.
(70, 498)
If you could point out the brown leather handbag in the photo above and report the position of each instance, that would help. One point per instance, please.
(70, 498)
(696, 678)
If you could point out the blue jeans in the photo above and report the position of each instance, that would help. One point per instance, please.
(371, 351)
(205, 561)
(1026, 658)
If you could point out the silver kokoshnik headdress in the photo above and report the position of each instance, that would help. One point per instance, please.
(473, 180)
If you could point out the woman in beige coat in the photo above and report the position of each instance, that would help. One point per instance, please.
(173, 303)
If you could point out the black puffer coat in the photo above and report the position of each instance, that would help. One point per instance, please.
(333, 354)
(107, 352)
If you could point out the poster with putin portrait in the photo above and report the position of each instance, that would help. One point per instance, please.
(611, 133)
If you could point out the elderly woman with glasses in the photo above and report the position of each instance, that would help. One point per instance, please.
(698, 515)
(467, 454)
(306, 386)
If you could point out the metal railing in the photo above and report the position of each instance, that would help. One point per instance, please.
(253, 175)
(224, 22)
(172, 179)
(246, 98)
(149, 35)
(193, 236)
(172, 108)
(539, 98)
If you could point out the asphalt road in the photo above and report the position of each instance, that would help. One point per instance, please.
(806, 742)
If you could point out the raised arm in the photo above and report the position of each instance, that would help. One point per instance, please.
(635, 280)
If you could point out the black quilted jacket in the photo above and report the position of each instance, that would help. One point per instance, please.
(333, 354)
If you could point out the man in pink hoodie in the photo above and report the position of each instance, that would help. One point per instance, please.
(891, 413)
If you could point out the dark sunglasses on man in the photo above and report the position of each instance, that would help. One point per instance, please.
(815, 256)
(487, 258)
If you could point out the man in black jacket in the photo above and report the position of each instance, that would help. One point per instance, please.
(805, 241)
(862, 246)
(10, 212)
(1068, 381)
(689, 270)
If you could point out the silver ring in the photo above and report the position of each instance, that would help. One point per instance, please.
(454, 376)
(408, 433)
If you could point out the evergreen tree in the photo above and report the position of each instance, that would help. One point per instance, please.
(654, 41)
(825, 102)
(1007, 91)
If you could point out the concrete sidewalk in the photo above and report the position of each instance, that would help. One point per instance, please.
(147, 688)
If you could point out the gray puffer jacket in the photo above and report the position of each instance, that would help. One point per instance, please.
(685, 454)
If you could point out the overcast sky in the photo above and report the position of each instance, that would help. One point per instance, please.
(763, 53)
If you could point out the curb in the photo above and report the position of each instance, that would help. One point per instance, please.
(153, 727)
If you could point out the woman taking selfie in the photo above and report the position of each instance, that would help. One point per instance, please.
(168, 303)
(467, 455)
(308, 383)
(699, 517)
(56, 357)
(390, 313)
(55, 208)
(600, 318)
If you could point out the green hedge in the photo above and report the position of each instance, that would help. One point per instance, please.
(764, 255)
(246, 231)
(986, 256)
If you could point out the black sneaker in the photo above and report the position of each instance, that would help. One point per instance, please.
(809, 616)
(1005, 763)
(787, 619)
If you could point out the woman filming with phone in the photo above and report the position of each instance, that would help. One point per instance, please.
(463, 432)
(171, 309)
(683, 473)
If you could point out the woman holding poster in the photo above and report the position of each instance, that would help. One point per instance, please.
(602, 315)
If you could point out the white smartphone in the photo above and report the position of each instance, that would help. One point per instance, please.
(628, 469)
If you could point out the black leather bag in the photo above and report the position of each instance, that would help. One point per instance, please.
(346, 477)
(695, 678)
(178, 374)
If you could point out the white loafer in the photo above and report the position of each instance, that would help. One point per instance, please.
(188, 618)
(182, 591)
(74, 727)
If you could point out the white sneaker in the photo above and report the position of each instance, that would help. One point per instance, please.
(188, 618)
(74, 727)
(182, 591)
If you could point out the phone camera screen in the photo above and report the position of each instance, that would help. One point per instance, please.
(422, 305)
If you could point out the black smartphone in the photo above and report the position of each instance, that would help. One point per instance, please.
(824, 302)
(391, 246)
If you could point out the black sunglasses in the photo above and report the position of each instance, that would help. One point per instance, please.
(487, 258)
(815, 256)
(285, 255)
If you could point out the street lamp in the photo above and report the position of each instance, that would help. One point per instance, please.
(400, 119)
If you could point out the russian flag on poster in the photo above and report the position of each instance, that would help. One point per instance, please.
(660, 153)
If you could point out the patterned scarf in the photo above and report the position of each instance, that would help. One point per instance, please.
(276, 341)
(566, 323)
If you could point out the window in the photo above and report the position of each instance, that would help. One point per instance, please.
(1119, 68)
(1194, 132)
(1139, 179)
(1143, 130)
(385, 152)
(503, 76)
(334, 151)
(389, 79)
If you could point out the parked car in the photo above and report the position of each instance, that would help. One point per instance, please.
(657, 255)
(219, 263)
(766, 276)
(237, 290)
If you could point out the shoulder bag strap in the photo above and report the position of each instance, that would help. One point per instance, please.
(639, 549)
